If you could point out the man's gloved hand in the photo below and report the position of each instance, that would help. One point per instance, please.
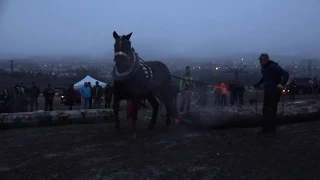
(279, 86)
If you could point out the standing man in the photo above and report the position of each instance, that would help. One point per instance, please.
(48, 94)
(108, 92)
(90, 98)
(97, 93)
(85, 93)
(217, 94)
(223, 94)
(233, 92)
(240, 90)
(20, 98)
(186, 87)
(71, 96)
(273, 78)
(292, 90)
(34, 93)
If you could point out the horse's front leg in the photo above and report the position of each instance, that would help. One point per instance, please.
(116, 108)
(135, 107)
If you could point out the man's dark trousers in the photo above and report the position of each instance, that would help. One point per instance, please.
(269, 111)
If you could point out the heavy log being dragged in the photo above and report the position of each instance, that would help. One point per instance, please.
(246, 116)
(50, 118)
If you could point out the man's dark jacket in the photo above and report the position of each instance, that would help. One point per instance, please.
(34, 92)
(71, 94)
(97, 91)
(272, 75)
(108, 91)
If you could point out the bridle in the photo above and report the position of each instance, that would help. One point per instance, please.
(131, 71)
(129, 58)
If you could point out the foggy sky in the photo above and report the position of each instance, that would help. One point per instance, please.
(160, 28)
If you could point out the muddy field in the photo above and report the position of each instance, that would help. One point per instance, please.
(97, 151)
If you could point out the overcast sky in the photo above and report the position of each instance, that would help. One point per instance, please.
(160, 28)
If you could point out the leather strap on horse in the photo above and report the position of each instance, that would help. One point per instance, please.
(133, 70)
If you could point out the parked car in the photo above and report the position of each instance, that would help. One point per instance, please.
(286, 90)
(302, 85)
(64, 99)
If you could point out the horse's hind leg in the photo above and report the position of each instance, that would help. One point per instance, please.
(116, 107)
(170, 108)
(155, 107)
(135, 106)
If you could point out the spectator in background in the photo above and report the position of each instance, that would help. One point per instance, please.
(217, 93)
(241, 90)
(20, 98)
(292, 90)
(48, 94)
(34, 93)
(24, 102)
(108, 92)
(85, 93)
(233, 92)
(97, 93)
(71, 96)
(90, 98)
(223, 94)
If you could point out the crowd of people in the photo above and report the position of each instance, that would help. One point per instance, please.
(220, 90)
(24, 99)
(91, 97)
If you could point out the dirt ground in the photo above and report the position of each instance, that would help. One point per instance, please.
(97, 151)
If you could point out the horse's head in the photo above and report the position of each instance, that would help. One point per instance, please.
(123, 55)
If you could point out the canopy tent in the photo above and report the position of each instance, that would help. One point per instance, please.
(90, 79)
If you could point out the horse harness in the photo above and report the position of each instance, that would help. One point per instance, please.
(138, 64)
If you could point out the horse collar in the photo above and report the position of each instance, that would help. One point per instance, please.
(130, 72)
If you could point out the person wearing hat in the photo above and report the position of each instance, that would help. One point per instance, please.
(108, 92)
(48, 94)
(97, 93)
(20, 98)
(186, 87)
(90, 98)
(34, 93)
(71, 96)
(273, 79)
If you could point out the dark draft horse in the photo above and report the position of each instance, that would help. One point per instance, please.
(136, 80)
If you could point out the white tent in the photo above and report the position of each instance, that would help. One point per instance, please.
(90, 79)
